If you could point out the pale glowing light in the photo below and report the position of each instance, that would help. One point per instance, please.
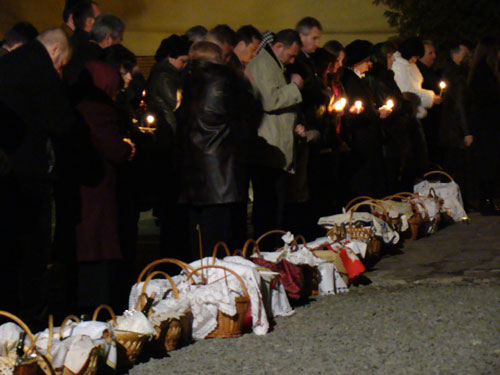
(389, 104)
(358, 104)
(150, 119)
(340, 104)
(442, 85)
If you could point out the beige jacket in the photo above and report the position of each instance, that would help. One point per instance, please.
(275, 147)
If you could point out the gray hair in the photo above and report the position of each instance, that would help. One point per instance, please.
(107, 24)
(55, 36)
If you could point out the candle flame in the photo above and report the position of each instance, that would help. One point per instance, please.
(358, 104)
(389, 104)
(331, 104)
(143, 93)
(150, 119)
(442, 85)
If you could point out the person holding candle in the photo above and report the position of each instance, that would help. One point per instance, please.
(483, 115)
(97, 238)
(361, 129)
(395, 129)
(163, 97)
(408, 76)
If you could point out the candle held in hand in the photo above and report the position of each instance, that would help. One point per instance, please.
(442, 86)
(340, 104)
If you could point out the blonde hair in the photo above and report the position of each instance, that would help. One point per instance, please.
(206, 51)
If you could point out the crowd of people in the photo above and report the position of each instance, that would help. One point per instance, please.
(304, 128)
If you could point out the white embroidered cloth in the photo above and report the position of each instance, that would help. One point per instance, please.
(453, 204)
(275, 299)
(219, 293)
(382, 230)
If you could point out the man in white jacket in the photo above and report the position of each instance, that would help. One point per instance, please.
(408, 76)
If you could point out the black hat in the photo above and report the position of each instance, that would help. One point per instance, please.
(358, 51)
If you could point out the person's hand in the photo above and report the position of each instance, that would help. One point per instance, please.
(384, 112)
(4, 163)
(468, 139)
(356, 110)
(437, 99)
(132, 147)
(300, 130)
(297, 79)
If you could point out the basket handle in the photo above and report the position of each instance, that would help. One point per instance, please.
(245, 291)
(269, 233)
(216, 247)
(105, 307)
(407, 196)
(439, 172)
(302, 239)
(164, 274)
(360, 198)
(185, 267)
(249, 242)
(64, 322)
(23, 325)
(367, 203)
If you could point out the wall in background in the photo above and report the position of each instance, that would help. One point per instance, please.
(149, 21)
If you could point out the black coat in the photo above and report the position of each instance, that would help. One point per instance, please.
(212, 136)
(164, 82)
(395, 127)
(31, 87)
(312, 93)
(454, 126)
(362, 133)
(483, 102)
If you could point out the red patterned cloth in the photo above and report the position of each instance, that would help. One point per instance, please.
(291, 276)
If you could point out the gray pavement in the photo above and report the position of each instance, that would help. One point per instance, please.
(431, 308)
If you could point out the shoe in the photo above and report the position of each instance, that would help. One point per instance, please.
(488, 208)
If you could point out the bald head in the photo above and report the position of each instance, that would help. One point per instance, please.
(57, 45)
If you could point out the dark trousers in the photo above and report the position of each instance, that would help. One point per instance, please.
(487, 163)
(218, 222)
(269, 191)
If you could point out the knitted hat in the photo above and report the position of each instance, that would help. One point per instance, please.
(358, 51)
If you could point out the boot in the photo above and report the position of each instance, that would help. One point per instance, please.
(489, 208)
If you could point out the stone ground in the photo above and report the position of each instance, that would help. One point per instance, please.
(432, 307)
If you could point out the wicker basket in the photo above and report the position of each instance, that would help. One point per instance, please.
(187, 319)
(229, 326)
(169, 332)
(33, 363)
(129, 344)
(367, 235)
(416, 221)
(308, 273)
(91, 365)
(445, 217)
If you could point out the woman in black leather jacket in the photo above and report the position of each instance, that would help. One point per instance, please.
(211, 138)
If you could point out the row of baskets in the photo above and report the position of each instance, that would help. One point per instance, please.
(409, 215)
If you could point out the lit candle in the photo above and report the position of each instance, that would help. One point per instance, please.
(358, 104)
(331, 104)
(143, 93)
(150, 119)
(389, 104)
(340, 104)
(442, 86)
